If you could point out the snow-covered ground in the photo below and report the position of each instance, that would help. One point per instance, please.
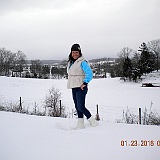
(111, 94)
(26, 137)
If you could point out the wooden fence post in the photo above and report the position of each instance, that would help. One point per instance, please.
(139, 115)
(60, 107)
(20, 104)
(97, 115)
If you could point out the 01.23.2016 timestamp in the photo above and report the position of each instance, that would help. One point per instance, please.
(142, 143)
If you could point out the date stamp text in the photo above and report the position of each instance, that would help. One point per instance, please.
(141, 143)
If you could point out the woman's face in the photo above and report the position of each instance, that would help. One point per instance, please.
(75, 54)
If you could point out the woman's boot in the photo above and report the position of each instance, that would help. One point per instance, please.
(93, 122)
(80, 123)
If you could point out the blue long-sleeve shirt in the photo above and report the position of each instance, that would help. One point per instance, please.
(88, 72)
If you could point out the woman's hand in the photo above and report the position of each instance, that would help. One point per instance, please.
(82, 86)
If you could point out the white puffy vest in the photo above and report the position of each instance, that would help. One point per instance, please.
(75, 74)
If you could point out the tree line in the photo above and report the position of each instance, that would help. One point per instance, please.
(133, 64)
(15, 64)
(11, 61)
(130, 64)
(40, 70)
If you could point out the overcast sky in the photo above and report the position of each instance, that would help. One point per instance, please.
(46, 29)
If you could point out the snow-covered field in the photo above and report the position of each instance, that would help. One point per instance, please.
(26, 137)
(112, 95)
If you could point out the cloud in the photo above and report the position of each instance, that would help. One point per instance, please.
(9, 6)
(47, 29)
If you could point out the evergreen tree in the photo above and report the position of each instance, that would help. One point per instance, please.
(45, 71)
(36, 68)
(147, 60)
(127, 68)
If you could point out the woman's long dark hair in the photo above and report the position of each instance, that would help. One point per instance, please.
(70, 58)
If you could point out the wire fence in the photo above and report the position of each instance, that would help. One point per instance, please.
(108, 113)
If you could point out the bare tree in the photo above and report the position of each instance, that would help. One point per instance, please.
(19, 60)
(11, 61)
(125, 53)
(5, 61)
(53, 103)
(154, 46)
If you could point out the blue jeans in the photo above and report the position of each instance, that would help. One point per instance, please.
(79, 96)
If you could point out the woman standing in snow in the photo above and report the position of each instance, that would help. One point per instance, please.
(79, 75)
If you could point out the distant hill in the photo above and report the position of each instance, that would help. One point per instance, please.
(49, 62)
(101, 59)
